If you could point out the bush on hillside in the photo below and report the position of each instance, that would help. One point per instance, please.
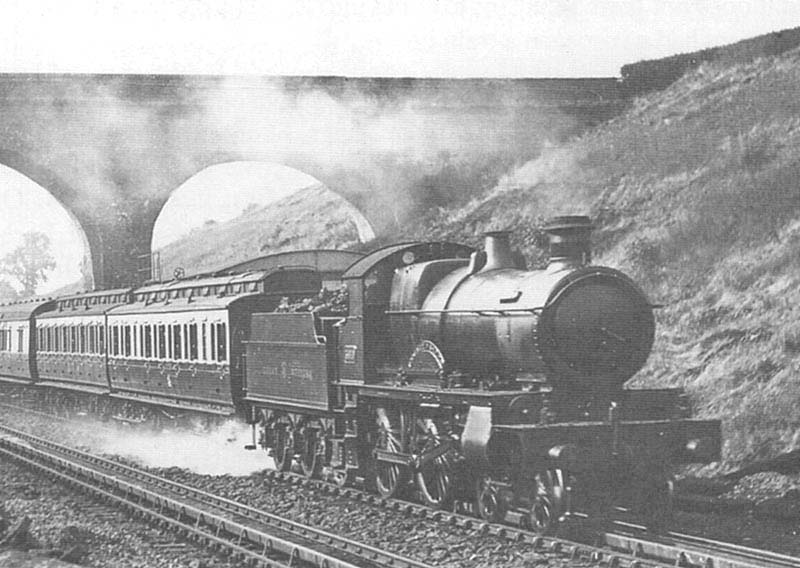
(657, 74)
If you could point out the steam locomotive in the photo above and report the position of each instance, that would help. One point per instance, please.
(449, 374)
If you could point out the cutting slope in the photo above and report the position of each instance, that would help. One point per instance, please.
(696, 193)
(314, 217)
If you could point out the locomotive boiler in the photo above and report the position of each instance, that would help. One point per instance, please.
(587, 329)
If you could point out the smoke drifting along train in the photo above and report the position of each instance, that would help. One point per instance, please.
(439, 372)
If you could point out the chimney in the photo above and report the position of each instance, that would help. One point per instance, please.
(570, 239)
(498, 251)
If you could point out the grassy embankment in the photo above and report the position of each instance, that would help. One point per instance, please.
(696, 194)
(311, 218)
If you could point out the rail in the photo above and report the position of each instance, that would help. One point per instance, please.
(627, 544)
(257, 536)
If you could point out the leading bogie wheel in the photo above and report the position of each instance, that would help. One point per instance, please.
(489, 504)
(548, 502)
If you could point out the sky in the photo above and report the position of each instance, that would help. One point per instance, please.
(419, 38)
(444, 38)
(20, 197)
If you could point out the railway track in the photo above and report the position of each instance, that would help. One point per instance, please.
(256, 537)
(626, 544)
(690, 551)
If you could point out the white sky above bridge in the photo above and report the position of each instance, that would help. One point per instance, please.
(443, 38)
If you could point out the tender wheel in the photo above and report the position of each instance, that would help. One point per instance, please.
(312, 453)
(283, 443)
(435, 477)
(488, 503)
(548, 503)
(389, 477)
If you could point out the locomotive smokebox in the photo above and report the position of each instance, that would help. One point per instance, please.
(570, 239)
(497, 247)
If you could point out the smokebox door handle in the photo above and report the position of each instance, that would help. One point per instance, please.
(512, 299)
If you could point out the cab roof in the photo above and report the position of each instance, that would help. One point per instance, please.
(394, 255)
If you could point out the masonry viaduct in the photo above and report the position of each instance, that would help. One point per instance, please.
(111, 148)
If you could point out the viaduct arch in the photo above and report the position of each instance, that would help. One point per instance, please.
(111, 149)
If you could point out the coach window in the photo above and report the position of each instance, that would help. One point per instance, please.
(213, 350)
(127, 341)
(114, 340)
(185, 343)
(222, 345)
(147, 342)
(177, 341)
(193, 341)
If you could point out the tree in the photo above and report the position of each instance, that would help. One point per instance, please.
(29, 263)
(7, 292)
